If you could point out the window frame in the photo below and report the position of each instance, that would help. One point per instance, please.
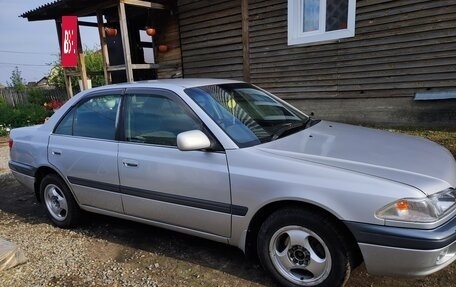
(235, 88)
(217, 146)
(83, 100)
(295, 21)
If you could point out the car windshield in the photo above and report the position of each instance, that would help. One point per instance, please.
(248, 115)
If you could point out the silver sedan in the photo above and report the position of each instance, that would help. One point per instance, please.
(230, 162)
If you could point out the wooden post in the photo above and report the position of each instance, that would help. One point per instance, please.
(245, 40)
(81, 63)
(125, 41)
(104, 48)
(68, 84)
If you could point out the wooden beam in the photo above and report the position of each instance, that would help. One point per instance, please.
(72, 72)
(104, 48)
(145, 66)
(134, 67)
(87, 24)
(68, 84)
(101, 6)
(81, 62)
(245, 40)
(144, 4)
(125, 41)
(117, 68)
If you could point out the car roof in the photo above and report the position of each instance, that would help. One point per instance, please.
(172, 83)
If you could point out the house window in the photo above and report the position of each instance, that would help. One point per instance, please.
(311, 21)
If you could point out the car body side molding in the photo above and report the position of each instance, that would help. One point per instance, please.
(22, 168)
(160, 196)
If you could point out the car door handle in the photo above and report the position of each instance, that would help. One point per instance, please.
(56, 152)
(129, 163)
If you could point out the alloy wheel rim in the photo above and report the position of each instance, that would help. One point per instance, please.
(56, 202)
(300, 255)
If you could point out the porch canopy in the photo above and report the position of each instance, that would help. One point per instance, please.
(124, 52)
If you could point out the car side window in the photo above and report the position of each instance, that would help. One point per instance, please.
(156, 119)
(65, 126)
(94, 118)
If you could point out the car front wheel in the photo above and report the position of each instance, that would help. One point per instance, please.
(58, 201)
(303, 248)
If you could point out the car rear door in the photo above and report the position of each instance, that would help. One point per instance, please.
(84, 149)
(161, 183)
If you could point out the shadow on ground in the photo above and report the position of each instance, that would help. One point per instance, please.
(16, 200)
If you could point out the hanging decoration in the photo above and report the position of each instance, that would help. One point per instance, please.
(151, 31)
(110, 32)
(163, 48)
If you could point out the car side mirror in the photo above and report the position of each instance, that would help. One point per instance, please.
(192, 140)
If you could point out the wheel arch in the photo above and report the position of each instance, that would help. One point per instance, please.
(264, 212)
(40, 173)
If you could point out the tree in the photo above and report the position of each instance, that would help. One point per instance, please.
(56, 77)
(17, 82)
(94, 66)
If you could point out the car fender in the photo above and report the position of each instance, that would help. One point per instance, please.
(259, 179)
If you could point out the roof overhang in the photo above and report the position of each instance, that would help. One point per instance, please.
(83, 8)
(58, 8)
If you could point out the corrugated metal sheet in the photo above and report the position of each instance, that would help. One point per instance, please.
(41, 8)
(55, 10)
(80, 8)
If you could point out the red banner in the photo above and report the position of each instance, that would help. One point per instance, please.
(69, 41)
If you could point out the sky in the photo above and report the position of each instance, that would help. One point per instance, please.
(31, 46)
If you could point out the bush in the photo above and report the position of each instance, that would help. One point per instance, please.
(21, 115)
(36, 96)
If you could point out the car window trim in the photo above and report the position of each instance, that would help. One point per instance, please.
(85, 98)
(169, 95)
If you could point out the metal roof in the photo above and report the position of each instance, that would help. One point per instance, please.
(58, 8)
(80, 8)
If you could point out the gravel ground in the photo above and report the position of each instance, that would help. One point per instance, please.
(110, 252)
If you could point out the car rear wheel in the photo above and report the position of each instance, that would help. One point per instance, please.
(58, 201)
(303, 248)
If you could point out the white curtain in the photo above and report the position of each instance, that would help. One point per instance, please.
(311, 15)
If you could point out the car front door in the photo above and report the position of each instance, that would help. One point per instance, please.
(161, 183)
(83, 148)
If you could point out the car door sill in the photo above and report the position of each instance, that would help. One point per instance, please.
(193, 232)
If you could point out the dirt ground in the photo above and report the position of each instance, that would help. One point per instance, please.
(111, 252)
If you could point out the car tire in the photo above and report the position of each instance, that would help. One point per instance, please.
(303, 248)
(58, 202)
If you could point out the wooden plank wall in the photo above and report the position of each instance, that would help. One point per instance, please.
(400, 47)
(170, 64)
(211, 38)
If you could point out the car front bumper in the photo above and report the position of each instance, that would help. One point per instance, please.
(393, 261)
(405, 251)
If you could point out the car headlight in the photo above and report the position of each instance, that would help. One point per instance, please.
(422, 210)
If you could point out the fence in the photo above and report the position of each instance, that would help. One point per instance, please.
(14, 98)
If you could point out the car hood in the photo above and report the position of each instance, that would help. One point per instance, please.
(398, 157)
